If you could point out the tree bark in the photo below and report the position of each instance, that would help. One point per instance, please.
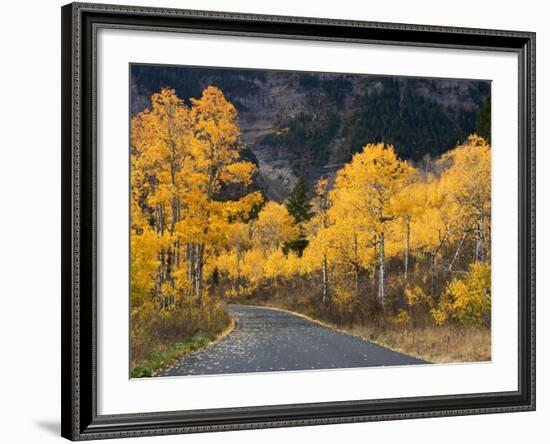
(191, 266)
(325, 279)
(199, 270)
(356, 264)
(457, 252)
(374, 267)
(481, 237)
(382, 269)
(407, 250)
(432, 284)
(479, 251)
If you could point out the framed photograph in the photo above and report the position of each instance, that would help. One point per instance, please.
(280, 221)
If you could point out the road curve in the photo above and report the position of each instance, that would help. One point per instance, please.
(266, 339)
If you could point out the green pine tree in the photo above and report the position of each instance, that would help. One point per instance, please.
(299, 208)
(298, 205)
(483, 123)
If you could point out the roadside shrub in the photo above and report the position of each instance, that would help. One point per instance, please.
(153, 329)
(467, 300)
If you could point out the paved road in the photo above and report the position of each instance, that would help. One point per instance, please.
(266, 339)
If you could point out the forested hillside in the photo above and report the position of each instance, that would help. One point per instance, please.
(309, 124)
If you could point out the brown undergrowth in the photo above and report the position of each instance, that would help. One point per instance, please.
(416, 336)
(161, 337)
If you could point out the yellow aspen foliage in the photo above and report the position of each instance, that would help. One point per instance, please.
(182, 156)
(280, 265)
(369, 184)
(273, 227)
(416, 296)
(467, 299)
(467, 183)
(276, 265)
(410, 205)
(253, 265)
(143, 265)
(402, 318)
(365, 193)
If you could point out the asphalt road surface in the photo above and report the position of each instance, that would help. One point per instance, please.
(266, 339)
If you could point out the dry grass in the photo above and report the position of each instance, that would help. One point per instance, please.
(168, 355)
(158, 338)
(418, 337)
(438, 344)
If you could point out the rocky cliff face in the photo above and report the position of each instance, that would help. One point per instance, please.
(309, 124)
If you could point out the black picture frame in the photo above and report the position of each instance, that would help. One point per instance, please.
(80, 420)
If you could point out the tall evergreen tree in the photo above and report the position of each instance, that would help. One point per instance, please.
(298, 205)
(483, 123)
(299, 208)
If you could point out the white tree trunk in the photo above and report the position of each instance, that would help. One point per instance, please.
(432, 286)
(407, 250)
(190, 258)
(480, 253)
(199, 269)
(457, 252)
(374, 267)
(325, 278)
(382, 269)
(481, 237)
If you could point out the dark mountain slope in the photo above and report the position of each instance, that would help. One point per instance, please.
(311, 123)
